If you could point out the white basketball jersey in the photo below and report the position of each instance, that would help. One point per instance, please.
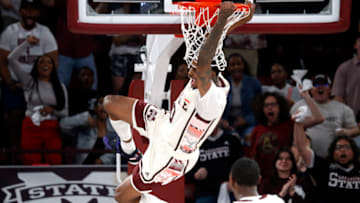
(261, 199)
(175, 137)
(149, 198)
(193, 118)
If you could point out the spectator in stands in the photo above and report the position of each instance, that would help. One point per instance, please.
(249, 46)
(124, 53)
(75, 50)
(49, 14)
(275, 128)
(182, 72)
(279, 78)
(46, 101)
(217, 154)
(9, 10)
(346, 84)
(89, 128)
(178, 73)
(81, 93)
(243, 90)
(13, 36)
(339, 118)
(338, 175)
(286, 181)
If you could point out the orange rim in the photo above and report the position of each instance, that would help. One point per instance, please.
(213, 6)
(198, 5)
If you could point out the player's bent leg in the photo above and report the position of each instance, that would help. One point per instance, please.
(126, 193)
(119, 107)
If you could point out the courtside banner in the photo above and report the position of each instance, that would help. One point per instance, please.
(57, 184)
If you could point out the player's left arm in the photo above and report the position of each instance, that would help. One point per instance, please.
(207, 51)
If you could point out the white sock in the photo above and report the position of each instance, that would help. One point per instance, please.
(123, 130)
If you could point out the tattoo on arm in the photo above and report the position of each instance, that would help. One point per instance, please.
(207, 51)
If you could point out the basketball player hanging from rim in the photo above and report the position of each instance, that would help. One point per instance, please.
(174, 137)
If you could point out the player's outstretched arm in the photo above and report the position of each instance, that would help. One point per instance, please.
(119, 107)
(247, 18)
(203, 72)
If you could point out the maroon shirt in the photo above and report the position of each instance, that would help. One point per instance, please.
(266, 141)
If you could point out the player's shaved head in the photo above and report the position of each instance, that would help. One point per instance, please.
(245, 172)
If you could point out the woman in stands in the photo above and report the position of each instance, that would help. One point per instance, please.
(275, 127)
(286, 181)
(46, 101)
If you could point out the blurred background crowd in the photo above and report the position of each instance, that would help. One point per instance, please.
(53, 83)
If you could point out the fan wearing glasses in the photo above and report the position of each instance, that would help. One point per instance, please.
(337, 176)
(339, 118)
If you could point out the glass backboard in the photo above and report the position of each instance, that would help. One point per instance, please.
(162, 16)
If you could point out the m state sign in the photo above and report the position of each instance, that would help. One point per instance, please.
(57, 184)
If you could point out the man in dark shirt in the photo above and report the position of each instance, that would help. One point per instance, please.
(217, 154)
(338, 176)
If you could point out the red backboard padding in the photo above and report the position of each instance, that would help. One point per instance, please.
(173, 192)
(77, 26)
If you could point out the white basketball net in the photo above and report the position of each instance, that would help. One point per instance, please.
(195, 33)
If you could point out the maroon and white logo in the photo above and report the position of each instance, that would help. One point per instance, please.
(47, 186)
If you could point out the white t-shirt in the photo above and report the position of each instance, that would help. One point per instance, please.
(123, 49)
(261, 199)
(337, 115)
(15, 34)
(175, 137)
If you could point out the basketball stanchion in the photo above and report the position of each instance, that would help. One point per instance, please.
(197, 20)
(118, 167)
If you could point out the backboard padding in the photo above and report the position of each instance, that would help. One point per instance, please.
(164, 23)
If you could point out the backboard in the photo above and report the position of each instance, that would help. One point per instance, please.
(161, 16)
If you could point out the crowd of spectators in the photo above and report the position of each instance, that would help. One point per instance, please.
(53, 82)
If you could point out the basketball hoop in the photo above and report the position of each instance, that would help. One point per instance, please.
(197, 20)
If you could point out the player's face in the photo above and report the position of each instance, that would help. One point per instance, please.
(278, 74)
(271, 109)
(194, 77)
(321, 92)
(236, 68)
(283, 163)
(343, 153)
(45, 66)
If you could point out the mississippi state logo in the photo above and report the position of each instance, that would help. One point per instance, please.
(151, 113)
(41, 187)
